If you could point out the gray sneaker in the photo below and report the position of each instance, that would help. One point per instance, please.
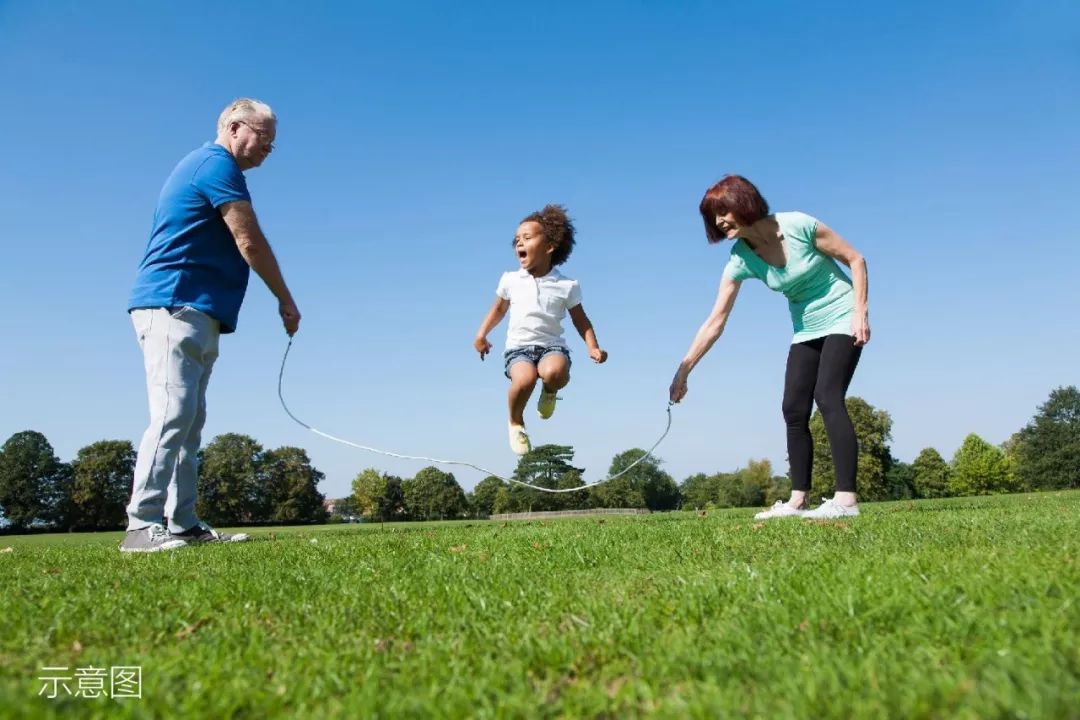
(203, 533)
(150, 539)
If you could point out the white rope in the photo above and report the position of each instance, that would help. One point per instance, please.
(439, 461)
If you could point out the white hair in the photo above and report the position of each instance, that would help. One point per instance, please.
(243, 109)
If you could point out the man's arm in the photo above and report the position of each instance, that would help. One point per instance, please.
(240, 218)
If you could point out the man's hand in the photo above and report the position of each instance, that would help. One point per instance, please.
(678, 388)
(598, 355)
(482, 346)
(290, 316)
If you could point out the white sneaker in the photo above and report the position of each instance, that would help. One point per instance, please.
(519, 440)
(778, 510)
(829, 509)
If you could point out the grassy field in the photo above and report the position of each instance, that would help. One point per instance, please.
(933, 609)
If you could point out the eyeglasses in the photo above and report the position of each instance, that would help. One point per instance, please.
(261, 134)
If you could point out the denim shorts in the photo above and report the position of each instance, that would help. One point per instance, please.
(532, 354)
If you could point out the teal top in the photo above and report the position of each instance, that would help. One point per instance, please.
(819, 294)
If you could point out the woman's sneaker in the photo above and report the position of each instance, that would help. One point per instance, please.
(829, 509)
(779, 509)
(519, 441)
(203, 533)
(151, 539)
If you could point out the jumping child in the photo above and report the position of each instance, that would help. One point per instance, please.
(538, 297)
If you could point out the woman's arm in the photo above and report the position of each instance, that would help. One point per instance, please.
(829, 242)
(707, 334)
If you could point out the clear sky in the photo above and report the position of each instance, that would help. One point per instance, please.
(941, 139)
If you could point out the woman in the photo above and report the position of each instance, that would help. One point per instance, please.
(794, 254)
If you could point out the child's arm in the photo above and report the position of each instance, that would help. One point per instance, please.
(585, 330)
(493, 318)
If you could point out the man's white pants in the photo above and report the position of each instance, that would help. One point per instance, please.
(179, 348)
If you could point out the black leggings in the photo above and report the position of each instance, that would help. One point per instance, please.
(820, 371)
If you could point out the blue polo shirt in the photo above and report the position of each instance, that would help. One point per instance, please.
(192, 258)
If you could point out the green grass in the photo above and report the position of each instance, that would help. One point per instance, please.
(936, 609)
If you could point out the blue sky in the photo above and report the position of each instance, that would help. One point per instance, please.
(939, 138)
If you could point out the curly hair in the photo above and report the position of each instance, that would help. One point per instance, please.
(558, 228)
(734, 194)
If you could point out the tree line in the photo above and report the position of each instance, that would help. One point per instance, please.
(1044, 455)
(241, 483)
(435, 494)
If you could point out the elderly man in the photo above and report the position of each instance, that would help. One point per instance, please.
(188, 291)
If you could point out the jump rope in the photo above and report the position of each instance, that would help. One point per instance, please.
(438, 461)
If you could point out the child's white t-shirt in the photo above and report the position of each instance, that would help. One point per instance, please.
(537, 306)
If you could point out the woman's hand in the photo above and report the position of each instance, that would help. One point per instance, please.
(860, 328)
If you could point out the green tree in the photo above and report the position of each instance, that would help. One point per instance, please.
(544, 466)
(729, 490)
(368, 490)
(293, 486)
(931, 474)
(873, 431)
(572, 500)
(504, 502)
(779, 489)
(379, 496)
(229, 481)
(746, 487)
(393, 503)
(754, 480)
(698, 491)
(900, 479)
(1048, 448)
(345, 506)
(661, 492)
(34, 484)
(101, 485)
(432, 494)
(645, 482)
(482, 498)
(979, 468)
(617, 493)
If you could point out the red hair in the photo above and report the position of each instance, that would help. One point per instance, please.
(736, 195)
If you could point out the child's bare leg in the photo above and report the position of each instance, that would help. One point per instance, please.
(522, 381)
(554, 370)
